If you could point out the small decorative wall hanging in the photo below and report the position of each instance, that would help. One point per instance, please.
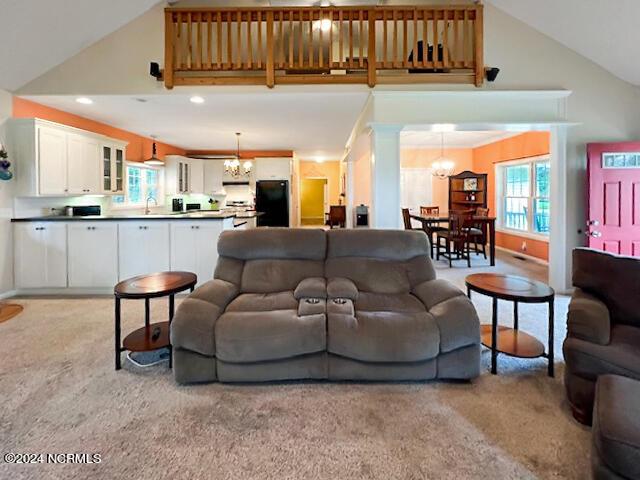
(5, 174)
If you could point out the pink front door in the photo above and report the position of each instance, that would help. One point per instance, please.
(614, 197)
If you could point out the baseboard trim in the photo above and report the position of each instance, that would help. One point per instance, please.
(524, 255)
(8, 294)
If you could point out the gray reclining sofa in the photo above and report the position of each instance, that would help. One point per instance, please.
(308, 304)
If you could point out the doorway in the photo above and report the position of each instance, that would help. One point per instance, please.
(313, 201)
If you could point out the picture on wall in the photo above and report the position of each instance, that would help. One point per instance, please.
(470, 184)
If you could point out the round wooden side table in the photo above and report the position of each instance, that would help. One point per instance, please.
(153, 335)
(512, 341)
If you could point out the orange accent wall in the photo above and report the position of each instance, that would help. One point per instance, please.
(138, 148)
(529, 144)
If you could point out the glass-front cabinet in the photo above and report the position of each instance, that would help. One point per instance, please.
(113, 156)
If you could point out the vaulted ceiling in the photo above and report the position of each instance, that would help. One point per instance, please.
(37, 35)
(605, 31)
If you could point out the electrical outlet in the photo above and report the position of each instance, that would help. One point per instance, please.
(523, 247)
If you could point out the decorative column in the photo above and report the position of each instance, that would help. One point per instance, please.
(385, 177)
(559, 251)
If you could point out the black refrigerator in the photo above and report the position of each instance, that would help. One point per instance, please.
(272, 199)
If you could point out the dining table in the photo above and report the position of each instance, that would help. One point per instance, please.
(429, 221)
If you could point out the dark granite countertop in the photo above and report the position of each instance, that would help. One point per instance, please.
(196, 215)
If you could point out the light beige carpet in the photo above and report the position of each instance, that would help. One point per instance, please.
(61, 394)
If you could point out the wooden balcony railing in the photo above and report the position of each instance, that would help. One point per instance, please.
(211, 46)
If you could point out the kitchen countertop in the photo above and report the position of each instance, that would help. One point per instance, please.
(195, 215)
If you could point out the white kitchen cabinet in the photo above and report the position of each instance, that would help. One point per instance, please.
(113, 157)
(183, 175)
(83, 165)
(93, 254)
(194, 246)
(58, 160)
(175, 175)
(40, 255)
(213, 175)
(196, 175)
(52, 161)
(273, 169)
(143, 248)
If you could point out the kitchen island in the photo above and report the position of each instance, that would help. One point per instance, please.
(89, 255)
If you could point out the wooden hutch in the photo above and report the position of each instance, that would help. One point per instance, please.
(467, 191)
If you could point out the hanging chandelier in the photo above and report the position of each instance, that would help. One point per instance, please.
(442, 167)
(233, 167)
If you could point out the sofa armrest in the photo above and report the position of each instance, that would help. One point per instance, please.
(314, 287)
(194, 321)
(340, 287)
(588, 318)
(454, 313)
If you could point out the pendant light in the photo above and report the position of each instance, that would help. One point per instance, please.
(442, 167)
(154, 161)
(232, 167)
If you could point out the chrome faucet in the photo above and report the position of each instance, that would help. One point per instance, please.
(147, 210)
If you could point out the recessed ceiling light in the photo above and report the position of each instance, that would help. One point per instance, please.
(84, 100)
(141, 100)
(196, 99)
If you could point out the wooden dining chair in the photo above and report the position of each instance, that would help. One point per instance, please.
(456, 239)
(430, 211)
(406, 218)
(478, 232)
(431, 228)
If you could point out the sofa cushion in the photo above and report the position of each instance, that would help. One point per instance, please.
(593, 271)
(340, 287)
(378, 302)
(275, 275)
(621, 356)
(396, 245)
(384, 336)
(380, 261)
(261, 243)
(454, 313)
(263, 302)
(192, 327)
(616, 424)
(244, 337)
(312, 287)
(588, 318)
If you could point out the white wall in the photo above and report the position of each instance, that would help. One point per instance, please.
(6, 206)
(606, 108)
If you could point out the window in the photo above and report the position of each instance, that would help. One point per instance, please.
(523, 196)
(142, 182)
(621, 160)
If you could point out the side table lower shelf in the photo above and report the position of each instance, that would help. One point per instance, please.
(141, 340)
(514, 343)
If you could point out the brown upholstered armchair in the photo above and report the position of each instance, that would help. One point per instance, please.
(603, 325)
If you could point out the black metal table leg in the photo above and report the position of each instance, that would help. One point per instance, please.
(469, 292)
(147, 314)
(171, 312)
(515, 315)
(551, 339)
(117, 334)
(494, 337)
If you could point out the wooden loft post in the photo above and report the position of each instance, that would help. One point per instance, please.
(168, 50)
(371, 49)
(479, 46)
(271, 69)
